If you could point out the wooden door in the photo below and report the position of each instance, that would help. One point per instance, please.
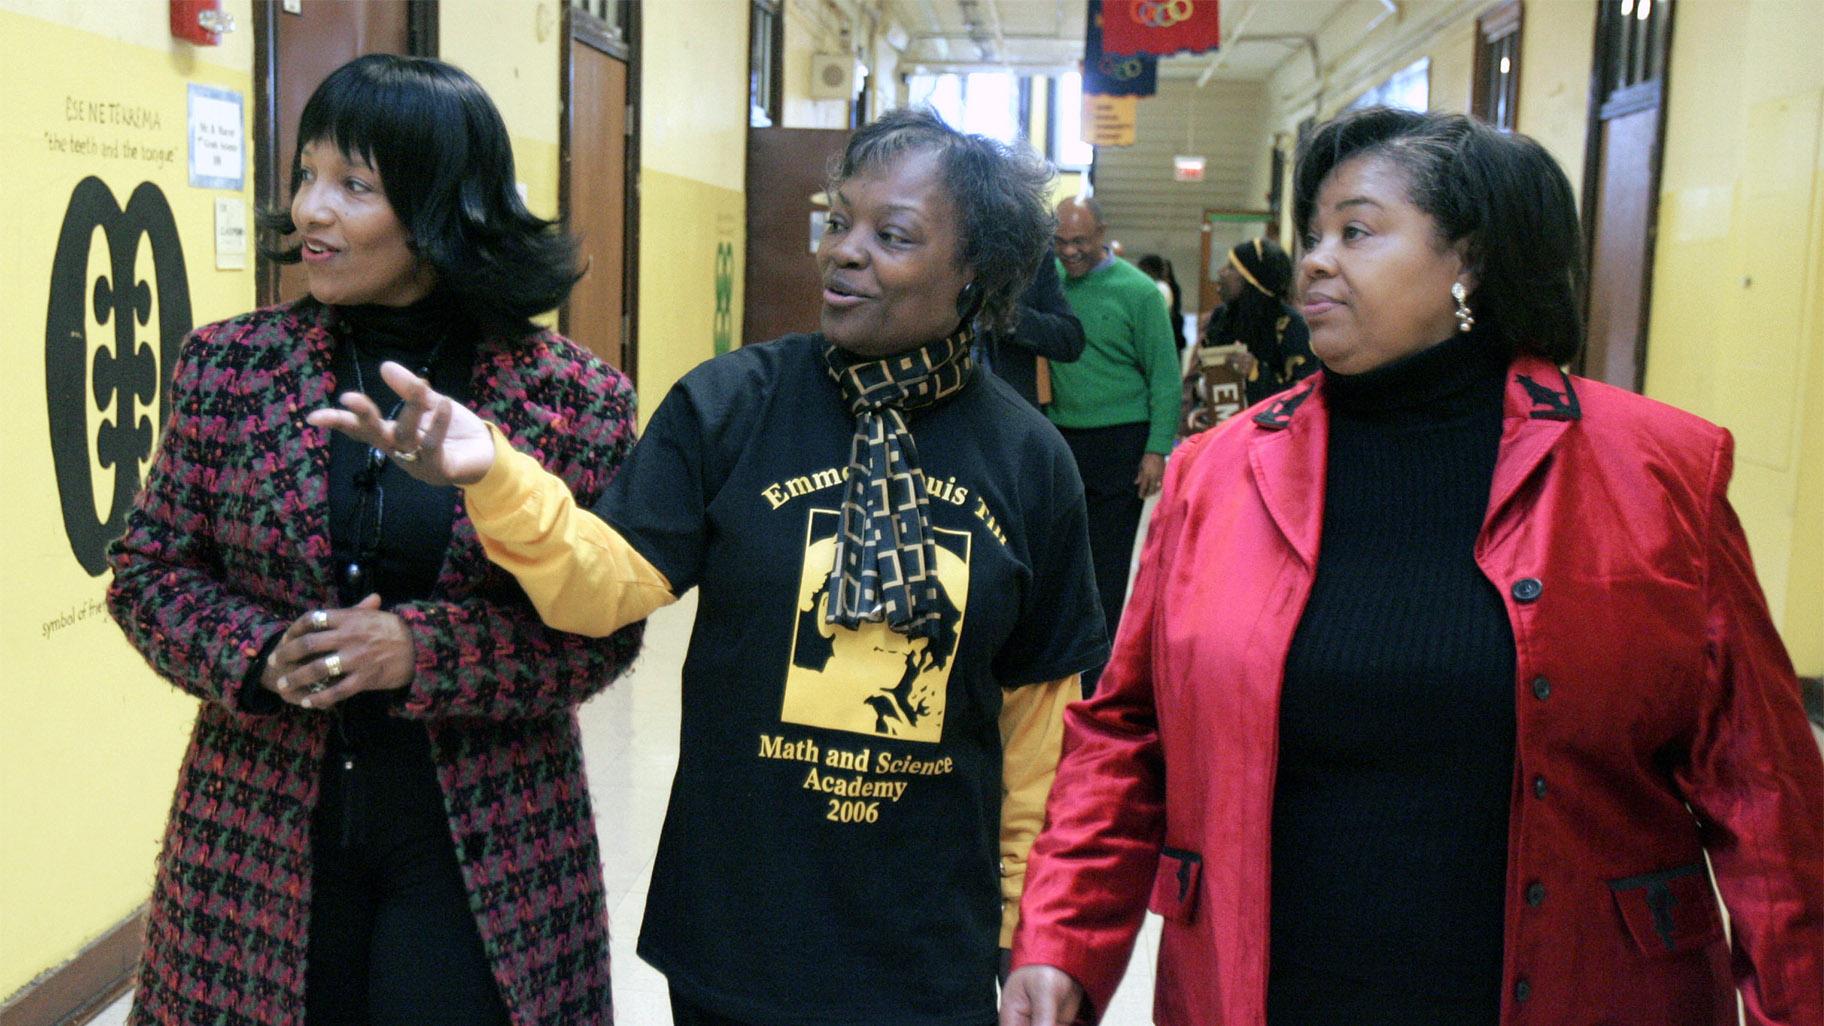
(296, 46)
(1495, 95)
(1621, 184)
(785, 172)
(1620, 249)
(595, 188)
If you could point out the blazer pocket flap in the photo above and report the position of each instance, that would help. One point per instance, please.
(1175, 885)
(1669, 911)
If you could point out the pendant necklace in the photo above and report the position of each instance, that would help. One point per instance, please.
(367, 485)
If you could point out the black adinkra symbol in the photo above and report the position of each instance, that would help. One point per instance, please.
(124, 373)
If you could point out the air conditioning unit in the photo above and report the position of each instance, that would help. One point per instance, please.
(832, 76)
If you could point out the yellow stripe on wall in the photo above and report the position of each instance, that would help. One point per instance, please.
(683, 222)
(90, 739)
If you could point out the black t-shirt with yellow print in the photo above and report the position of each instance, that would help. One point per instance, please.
(829, 854)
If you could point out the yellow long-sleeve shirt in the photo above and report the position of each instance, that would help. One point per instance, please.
(582, 576)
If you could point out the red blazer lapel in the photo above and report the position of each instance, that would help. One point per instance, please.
(1287, 455)
(1539, 407)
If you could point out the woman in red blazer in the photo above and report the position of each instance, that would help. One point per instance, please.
(1445, 672)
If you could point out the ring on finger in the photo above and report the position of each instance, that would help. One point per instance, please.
(333, 664)
(319, 620)
(406, 457)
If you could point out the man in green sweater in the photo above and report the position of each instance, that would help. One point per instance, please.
(1117, 406)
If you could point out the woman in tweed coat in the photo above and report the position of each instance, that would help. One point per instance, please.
(382, 815)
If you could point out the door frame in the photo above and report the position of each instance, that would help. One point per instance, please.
(421, 41)
(1603, 106)
(581, 26)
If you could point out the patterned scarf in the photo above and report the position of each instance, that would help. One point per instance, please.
(886, 561)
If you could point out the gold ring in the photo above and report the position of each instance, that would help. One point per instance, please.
(319, 620)
(333, 663)
(406, 457)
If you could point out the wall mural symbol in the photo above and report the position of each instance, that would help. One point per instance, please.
(724, 328)
(112, 380)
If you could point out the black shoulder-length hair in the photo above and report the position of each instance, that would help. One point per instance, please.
(999, 191)
(444, 158)
(1502, 193)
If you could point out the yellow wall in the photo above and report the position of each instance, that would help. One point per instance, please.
(1737, 325)
(693, 153)
(1358, 58)
(513, 49)
(1557, 38)
(1453, 66)
(90, 740)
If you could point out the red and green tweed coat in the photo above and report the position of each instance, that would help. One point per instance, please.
(227, 544)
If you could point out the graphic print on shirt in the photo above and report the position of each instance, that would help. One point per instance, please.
(872, 680)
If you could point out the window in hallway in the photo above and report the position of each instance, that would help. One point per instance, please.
(983, 102)
(615, 18)
(1068, 150)
(1000, 104)
(1625, 139)
(1407, 89)
(765, 72)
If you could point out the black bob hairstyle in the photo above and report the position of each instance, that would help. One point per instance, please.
(443, 156)
(998, 192)
(1504, 194)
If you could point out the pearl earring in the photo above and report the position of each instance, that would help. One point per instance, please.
(1461, 295)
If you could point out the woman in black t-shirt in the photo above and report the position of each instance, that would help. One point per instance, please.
(895, 597)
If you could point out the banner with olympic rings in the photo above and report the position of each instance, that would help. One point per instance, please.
(1159, 27)
(1111, 72)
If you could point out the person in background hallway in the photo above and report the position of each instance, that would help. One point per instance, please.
(1117, 407)
(1160, 270)
(1473, 687)
(382, 817)
(894, 600)
(1045, 329)
(1255, 283)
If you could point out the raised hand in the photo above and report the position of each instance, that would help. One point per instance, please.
(436, 440)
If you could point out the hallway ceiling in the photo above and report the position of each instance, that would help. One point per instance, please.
(1047, 35)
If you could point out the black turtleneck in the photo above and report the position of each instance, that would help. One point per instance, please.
(402, 523)
(395, 527)
(1397, 720)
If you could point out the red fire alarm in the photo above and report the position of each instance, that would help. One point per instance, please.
(200, 21)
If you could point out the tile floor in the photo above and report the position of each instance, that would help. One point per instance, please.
(630, 739)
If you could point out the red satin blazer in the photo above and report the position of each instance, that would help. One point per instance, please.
(1658, 721)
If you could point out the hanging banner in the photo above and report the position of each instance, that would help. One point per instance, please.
(1109, 120)
(1160, 27)
(1111, 73)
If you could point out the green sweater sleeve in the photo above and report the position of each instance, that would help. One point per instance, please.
(1158, 358)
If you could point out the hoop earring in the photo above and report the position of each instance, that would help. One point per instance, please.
(1464, 320)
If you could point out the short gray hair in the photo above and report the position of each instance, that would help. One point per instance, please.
(999, 192)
